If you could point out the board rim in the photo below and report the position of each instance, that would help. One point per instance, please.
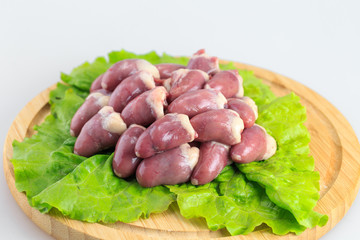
(335, 214)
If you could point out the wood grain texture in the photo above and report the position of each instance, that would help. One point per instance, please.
(333, 144)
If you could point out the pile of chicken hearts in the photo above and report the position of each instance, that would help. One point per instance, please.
(170, 123)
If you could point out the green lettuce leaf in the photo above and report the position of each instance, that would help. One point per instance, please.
(117, 56)
(93, 193)
(82, 77)
(152, 57)
(46, 157)
(57, 95)
(233, 202)
(288, 176)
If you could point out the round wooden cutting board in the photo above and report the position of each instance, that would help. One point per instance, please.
(333, 144)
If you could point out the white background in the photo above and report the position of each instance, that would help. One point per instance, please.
(313, 42)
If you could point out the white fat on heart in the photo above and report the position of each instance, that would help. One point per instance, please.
(190, 154)
(181, 71)
(111, 120)
(143, 65)
(185, 123)
(208, 87)
(235, 156)
(193, 157)
(156, 100)
(220, 144)
(147, 79)
(252, 104)
(136, 125)
(237, 126)
(178, 75)
(101, 99)
(270, 147)
(216, 68)
(167, 84)
(72, 133)
(194, 181)
(220, 100)
(104, 85)
(270, 144)
(105, 111)
(205, 75)
(240, 92)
